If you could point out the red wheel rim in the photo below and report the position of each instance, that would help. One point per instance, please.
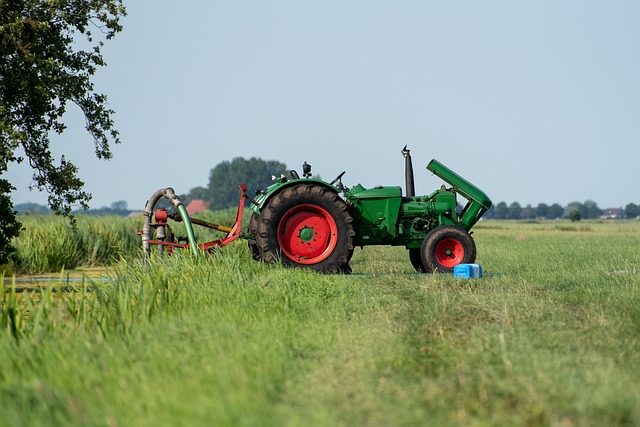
(307, 234)
(449, 252)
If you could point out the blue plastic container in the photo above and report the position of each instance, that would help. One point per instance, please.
(467, 271)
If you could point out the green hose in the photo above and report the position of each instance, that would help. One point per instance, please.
(187, 224)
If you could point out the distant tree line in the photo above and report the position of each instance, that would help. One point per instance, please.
(222, 192)
(118, 208)
(574, 211)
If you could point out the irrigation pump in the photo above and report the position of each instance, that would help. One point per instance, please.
(307, 222)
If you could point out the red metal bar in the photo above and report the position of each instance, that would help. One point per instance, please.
(235, 233)
(236, 230)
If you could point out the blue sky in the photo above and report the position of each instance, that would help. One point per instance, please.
(531, 101)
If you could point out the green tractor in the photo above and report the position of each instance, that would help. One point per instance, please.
(310, 223)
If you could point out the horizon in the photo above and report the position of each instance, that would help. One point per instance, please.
(529, 101)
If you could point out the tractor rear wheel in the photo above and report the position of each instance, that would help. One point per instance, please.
(253, 244)
(307, 226)
(446, 246)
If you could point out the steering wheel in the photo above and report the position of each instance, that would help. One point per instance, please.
(337, 178)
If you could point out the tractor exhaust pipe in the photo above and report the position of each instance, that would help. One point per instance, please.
(408, 172)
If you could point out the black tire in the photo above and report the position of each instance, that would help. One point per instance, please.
(308, 226)
(446, 246)
(253, 244)
(415, 256)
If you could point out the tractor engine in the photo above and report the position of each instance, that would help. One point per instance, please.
(384, 217)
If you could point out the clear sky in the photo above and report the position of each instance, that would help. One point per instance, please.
(532, 101)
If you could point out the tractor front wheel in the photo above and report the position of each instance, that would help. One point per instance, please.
(308, 226)
(445, 247)
(415, 256)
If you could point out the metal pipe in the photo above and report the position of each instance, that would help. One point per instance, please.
(408, 172)
(189, 227)
(160, 235)
(169, 194)
(146, 227)
(202, 223)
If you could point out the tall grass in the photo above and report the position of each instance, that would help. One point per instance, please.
(548, 337)
(49, 244)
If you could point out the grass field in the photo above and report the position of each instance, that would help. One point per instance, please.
(550, 336)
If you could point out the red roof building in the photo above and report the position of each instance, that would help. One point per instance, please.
(196, 206)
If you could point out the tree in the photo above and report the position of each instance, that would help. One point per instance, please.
(631, 210)
(588, 210)
(42, 70)
(591, 210)
(197, 193)
(577, 206)
(500, 211)
(119, 206)
(32, 208)
(575, 215)
(225, 178)
(528, 212)
(9, 225)
(542, 210)
(555, 211)
(515, 211)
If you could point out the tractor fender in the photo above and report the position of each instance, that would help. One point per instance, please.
(263, 198)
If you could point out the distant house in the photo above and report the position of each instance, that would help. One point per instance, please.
(197, 206)
(612, 213)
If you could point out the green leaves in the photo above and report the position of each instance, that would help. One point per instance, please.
(42, 69)
(225, 178)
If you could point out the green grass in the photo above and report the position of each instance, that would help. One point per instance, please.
(548, 337)
(49, 243)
